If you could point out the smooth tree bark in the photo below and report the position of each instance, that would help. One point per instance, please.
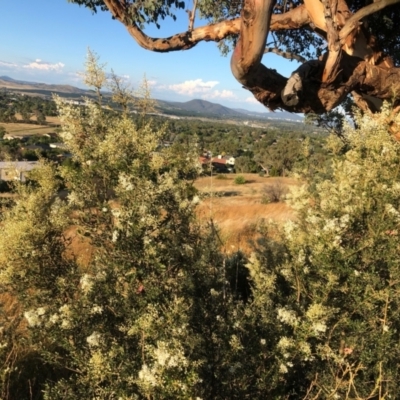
(352, 64)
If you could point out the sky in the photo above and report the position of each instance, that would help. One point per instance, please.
(47, 40)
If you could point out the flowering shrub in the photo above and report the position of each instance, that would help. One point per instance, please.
(336, 291)
(159, 313)
(150, 316)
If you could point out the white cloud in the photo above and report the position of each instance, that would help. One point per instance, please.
(220, 94)
(193, 86)
(152, 82)
(40, 65)
(8, 65)
(251, 100)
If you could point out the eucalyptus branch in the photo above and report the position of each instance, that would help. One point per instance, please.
(285, 54)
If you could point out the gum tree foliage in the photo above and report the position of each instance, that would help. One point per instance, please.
(345, 47)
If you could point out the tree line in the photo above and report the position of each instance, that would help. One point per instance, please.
(14, 106)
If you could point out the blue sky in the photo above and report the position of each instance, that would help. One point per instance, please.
(46, 41)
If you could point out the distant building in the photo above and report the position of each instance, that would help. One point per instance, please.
(9, 136)
(16, 170)
(223, 164)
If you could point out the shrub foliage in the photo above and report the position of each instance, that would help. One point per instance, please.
(159, 313)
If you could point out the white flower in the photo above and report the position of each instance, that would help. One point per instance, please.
(213, 292)
(94, 339)
(344, 220)
(124, 182)
(115, 236)
(263, 342)
(283, 369)
(331, 225)
(162, 355)
(74, 198)
(196, 200)
(147, 376)
(41, 311)
(385, 328)
(319, 327)
(65, 324)
(284, 343)
(54, 318)
(391, 210)
(32, 317)
(86, 283)
(65, 312)
(287, 316)
(96, 309)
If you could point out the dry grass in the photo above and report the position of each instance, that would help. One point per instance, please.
(79, 247)
(31, 129)
(237, 210)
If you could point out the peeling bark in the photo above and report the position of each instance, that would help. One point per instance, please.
(351, 65)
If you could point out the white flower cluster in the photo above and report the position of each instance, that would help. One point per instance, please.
(86, 283)
(35, 317)
(392, 211)
(94, 339)
(147, 376)
(319, 327)
(65, 315)
(124, 182)
(164, 359)
(284, 367)
(287, 316)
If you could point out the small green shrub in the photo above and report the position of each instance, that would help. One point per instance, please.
(240, 180)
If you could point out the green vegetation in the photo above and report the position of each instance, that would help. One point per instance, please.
(158, 312)
(240, 180)
(27, 107)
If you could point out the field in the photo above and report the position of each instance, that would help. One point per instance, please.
(31, 129)
(239, 211)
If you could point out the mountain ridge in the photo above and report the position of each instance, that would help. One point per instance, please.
(194, 107)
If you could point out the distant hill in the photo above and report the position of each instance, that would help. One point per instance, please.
(206, 107)
(10, 83)
(192, 108)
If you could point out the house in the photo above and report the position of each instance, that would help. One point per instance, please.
(223, 164)
(16, 170)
